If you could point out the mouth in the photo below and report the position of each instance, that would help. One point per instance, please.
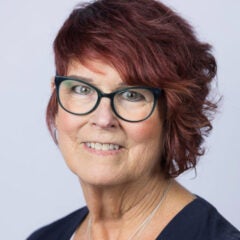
(103, 146)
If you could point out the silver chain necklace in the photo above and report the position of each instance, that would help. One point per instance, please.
(145, 222)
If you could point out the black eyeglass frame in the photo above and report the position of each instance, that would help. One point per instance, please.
(156, 93)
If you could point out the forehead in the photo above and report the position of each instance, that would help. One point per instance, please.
(95, 71)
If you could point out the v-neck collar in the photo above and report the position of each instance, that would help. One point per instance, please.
(168, 229)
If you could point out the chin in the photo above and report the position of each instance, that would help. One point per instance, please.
(102, 179)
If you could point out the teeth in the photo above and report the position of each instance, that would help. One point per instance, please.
(103, 146)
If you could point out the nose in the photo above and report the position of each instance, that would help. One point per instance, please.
(104, 116)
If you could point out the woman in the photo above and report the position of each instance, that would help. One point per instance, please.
(129, 111)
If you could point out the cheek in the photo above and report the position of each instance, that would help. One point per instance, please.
(144, 133)
(66, 122)
(146, 151)
(146, 138)
(148, 131)
(67, 126)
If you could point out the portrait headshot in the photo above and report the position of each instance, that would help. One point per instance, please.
(120, 120)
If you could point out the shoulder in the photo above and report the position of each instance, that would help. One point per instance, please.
(60, 229)
(200, 220)
(213, 224)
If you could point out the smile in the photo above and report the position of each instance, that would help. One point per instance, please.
(103, 146)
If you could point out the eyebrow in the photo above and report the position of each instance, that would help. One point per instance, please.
(91, 81)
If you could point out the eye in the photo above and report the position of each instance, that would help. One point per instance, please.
(132, 96)
(82, 89)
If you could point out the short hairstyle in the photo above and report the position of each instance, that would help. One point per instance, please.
(148, 44)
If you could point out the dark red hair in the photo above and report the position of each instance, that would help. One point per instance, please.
(148, 44)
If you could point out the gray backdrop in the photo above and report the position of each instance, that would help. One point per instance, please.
(36, 186)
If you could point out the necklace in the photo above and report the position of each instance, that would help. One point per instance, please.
(145, 222)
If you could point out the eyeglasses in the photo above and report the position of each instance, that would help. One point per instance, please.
(131, 104)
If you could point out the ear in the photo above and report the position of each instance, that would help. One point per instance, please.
(52, 84)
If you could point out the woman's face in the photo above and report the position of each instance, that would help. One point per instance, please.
(84, 141)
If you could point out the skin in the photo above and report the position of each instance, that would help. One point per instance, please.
(121, 187)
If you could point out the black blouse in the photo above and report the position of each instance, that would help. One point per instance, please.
(199, 220)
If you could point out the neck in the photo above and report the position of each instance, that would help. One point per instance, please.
(118, 204)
